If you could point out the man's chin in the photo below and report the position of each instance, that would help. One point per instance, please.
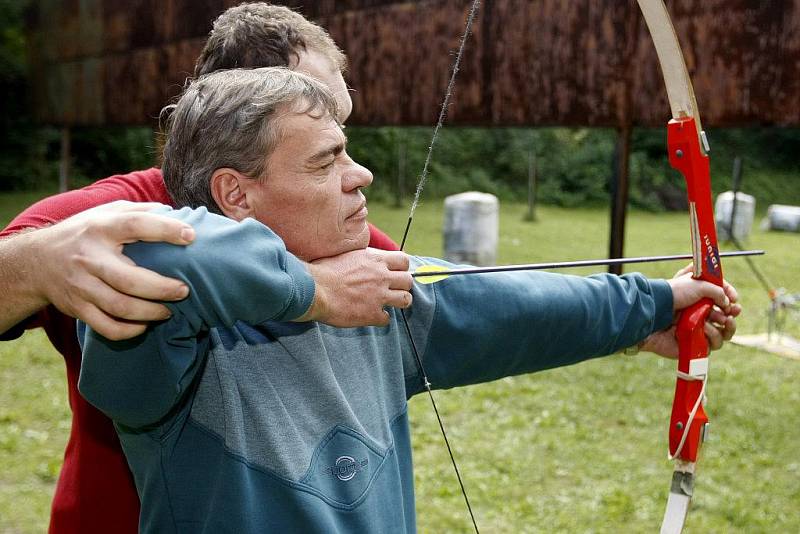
(364, 236)
(359, 242)
(347, 244)
(357, 234)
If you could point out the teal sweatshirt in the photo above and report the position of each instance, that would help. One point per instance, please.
(235, 420)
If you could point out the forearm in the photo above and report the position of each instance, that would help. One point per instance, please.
(235, 271)
(506, 324)
(18, 279)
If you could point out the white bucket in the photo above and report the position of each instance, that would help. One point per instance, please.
(743, 218)
(471, 228)
(782, 217)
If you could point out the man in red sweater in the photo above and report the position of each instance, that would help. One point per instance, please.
(75, 268)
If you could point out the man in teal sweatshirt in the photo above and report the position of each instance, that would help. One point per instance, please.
(234, 416)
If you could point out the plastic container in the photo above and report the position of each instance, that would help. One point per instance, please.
(471, 228)
(782, 217)
(743, 218)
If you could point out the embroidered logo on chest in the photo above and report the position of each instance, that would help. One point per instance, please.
(346, 467)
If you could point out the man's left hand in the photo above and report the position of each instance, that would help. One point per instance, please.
(721, 322)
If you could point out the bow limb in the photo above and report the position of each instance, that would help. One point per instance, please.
(688, 154)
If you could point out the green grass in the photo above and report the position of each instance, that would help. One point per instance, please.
(34, 425)
(34, 416)
(583, 449)
(579, 449)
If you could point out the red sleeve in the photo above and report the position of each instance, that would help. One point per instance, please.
(139, 186)
(377, 239)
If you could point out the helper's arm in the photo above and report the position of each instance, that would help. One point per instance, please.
(234, 271)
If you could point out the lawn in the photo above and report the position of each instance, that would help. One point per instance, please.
(580, 449)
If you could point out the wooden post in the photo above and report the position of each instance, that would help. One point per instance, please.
(533, 172)
(620, 183)
(63, 165)
(619, 196)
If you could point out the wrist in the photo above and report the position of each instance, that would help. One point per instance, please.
(33, 260)
(315, 309)
(633, 350)
(19, 282)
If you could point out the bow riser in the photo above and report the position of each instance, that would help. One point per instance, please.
(686, 155)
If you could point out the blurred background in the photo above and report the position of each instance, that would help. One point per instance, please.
(559, 103)
(566, 83)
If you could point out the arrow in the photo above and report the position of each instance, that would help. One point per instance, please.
(428, 274)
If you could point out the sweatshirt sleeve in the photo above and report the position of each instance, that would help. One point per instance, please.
(490, 326)
(235, 271)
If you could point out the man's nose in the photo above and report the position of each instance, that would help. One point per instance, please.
(357, 176)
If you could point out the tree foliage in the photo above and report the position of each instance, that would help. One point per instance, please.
(23, 152)
(574, 164)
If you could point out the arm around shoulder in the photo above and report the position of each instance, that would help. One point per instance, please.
(235, 271)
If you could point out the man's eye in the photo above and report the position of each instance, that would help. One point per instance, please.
(329, 164)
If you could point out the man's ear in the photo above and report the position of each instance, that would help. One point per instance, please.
(228, 189)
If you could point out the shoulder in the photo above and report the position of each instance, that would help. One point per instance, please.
(138, 186)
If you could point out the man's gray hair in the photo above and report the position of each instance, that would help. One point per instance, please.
(232, 119)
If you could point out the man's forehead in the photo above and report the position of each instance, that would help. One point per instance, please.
(325, 69)
(316, 64)
(310, 131)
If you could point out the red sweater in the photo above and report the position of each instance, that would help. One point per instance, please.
(95, 491)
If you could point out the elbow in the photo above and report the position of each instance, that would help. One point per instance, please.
(120, 401)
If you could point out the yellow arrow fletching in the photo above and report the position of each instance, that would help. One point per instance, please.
(432, 278)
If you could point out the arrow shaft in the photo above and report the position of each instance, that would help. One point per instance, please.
(579, 263)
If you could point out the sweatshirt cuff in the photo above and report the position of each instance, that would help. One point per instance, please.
(662, 296)
(304, 288)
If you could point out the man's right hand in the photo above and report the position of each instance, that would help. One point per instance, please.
(78, 266)
(353, 289)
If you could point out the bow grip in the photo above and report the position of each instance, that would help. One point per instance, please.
(693, 363)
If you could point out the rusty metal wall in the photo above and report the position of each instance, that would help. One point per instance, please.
(543, 62)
